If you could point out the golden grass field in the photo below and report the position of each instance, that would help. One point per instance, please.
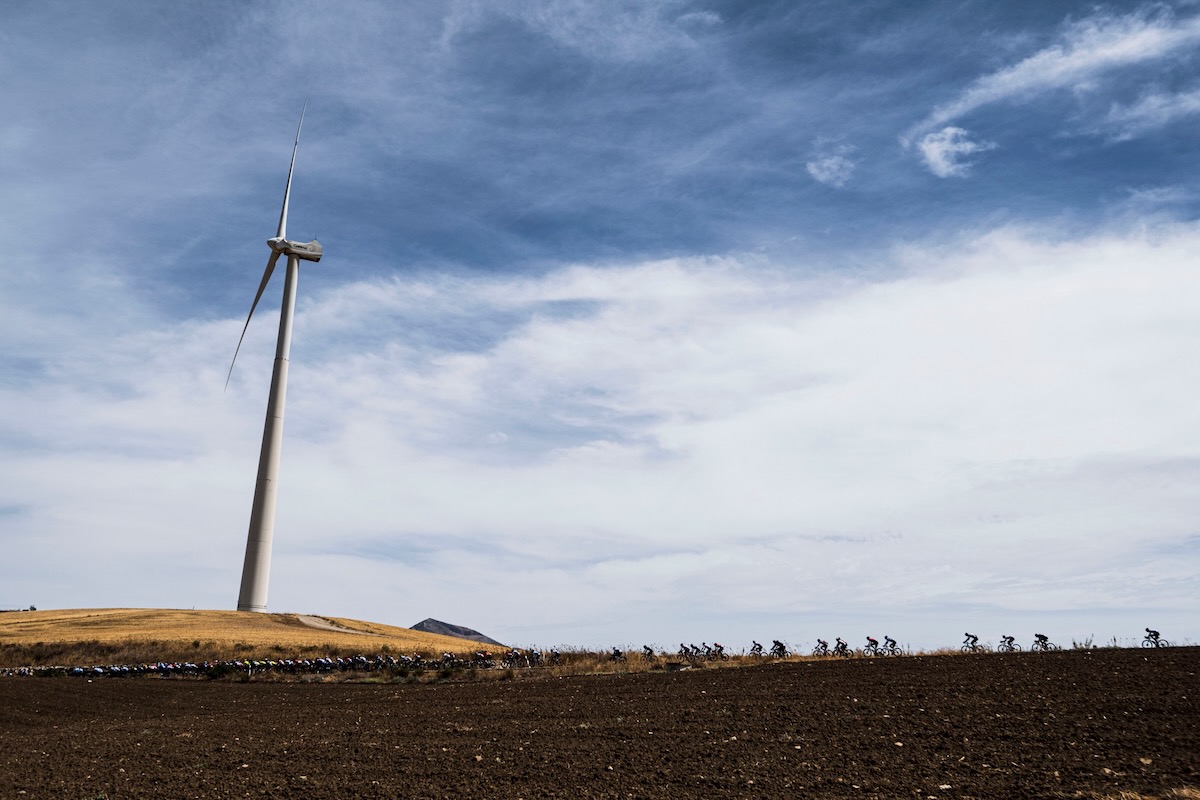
(138, 635)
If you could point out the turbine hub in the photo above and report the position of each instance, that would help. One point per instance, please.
(307, 251)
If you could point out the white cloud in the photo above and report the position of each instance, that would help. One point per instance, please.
(1152, 111)
(832, 168)
(669, 428)
(608, 30)
(1088, 49)
(944, 152)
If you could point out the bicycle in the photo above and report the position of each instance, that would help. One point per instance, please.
(1007, 645)
(1042, 644)
(842, 649)
(1153, 639)
(778, 649)
(971, 645)
(822, 648)
(872, 648)
(890, 648)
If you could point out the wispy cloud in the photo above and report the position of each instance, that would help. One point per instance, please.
(946, 152)
(1152, 111)
(832, 166)
(1087, 49)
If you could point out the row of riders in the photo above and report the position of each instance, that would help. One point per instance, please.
(514, 658)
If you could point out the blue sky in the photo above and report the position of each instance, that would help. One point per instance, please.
(638, 322)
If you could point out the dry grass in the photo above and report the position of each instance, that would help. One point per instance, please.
(122, 635)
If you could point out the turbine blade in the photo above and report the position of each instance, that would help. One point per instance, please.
(281, 232)
(261, 288)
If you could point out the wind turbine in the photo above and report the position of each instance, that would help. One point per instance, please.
(256, 570)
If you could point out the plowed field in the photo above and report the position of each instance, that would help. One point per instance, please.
(1072, 724)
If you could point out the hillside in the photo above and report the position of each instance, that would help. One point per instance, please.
(126, 635)
(432, 625)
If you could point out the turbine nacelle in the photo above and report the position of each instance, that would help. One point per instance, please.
(308, 251)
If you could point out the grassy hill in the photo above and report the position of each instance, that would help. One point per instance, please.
(130, 636)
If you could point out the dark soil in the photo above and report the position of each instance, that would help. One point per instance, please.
(1072, 724)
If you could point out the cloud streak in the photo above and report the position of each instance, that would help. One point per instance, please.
(1152, 111)
(1088, 49)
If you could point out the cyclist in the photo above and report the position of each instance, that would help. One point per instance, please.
(971, 641)
(1042, 642)
(888, 642)
(1007, 642)
(756, 648)
(1152, 635)
(841, 646)
(778, 648)
(872, 641)
(647, 652)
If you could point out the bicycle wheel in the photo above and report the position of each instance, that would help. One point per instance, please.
(1148, 642)
(966, 648)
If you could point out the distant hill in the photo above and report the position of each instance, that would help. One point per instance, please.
(458, 631)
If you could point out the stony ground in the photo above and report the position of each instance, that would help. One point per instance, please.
(1072, 724)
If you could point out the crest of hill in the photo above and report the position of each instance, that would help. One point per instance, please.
(440, 628)
(128, 635)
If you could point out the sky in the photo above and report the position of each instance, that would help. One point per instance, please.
(638, 322)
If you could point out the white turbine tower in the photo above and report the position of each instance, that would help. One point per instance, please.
(256, 570)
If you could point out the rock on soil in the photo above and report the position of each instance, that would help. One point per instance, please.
(1059, 725)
